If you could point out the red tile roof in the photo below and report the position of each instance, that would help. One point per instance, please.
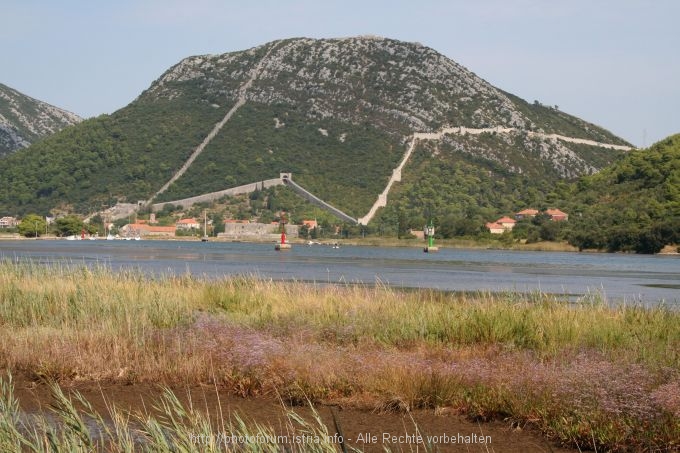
(152, 228)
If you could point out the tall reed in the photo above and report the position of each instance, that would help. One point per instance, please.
(74, 426)
(583, 372)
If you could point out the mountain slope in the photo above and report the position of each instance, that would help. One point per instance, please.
(24, 120)
(634, 205)
(337, 113)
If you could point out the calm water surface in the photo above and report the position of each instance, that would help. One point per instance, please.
(619, 277)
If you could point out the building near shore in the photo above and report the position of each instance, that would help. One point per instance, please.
(144, 229)
(495, 228)
(8, 222)
(501, 225)
(188, 224)
(310, 224)
(526, 214)
(556, 215)
(252, 231)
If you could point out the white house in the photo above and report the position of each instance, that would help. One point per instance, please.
(8, 222)
(188, 224)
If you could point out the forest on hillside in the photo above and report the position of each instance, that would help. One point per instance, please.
(633, 205)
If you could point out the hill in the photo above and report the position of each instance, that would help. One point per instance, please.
(24, 120)
(634, 205)
(337, 113)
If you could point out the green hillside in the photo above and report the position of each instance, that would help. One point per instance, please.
(462, 191)
(120, 157)
(550, 118)
(337, 113)
(633, 205)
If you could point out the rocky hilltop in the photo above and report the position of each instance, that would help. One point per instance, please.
(23, 120)
(401, 86)
(340, 114)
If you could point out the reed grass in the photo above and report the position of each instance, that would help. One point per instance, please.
(74, 426)
(587, 373)
(380, 315)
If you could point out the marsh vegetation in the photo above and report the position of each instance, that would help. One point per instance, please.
(586, 374)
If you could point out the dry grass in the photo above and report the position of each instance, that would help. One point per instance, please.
(74, 426)
(464, 243)
(584, 373)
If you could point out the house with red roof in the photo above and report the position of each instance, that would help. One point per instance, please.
(495, 228)
(501, 225)
(310, 224)
(556, 215)
(188, 224)
(507, 222)
(144, 229)
(526, 214)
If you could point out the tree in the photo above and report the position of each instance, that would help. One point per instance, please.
(467, 227)
(168, 209)
(32, 225)
(69, 225)
(550, 231)
(217, 222)
(522, 229)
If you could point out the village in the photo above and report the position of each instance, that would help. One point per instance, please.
(232, 229)
(505, 223)
(150, 228)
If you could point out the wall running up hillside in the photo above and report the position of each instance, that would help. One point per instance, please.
(214, 196)
(199, 149)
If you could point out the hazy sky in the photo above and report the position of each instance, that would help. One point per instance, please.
(615, 63)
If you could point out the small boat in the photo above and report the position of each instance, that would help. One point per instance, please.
(205, 227)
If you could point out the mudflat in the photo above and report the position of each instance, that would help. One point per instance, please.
(362, 428)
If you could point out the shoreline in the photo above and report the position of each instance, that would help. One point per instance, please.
(668, 250)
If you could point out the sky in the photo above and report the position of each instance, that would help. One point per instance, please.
(615, 63)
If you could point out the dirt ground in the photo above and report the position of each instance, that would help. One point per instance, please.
(364, 429)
